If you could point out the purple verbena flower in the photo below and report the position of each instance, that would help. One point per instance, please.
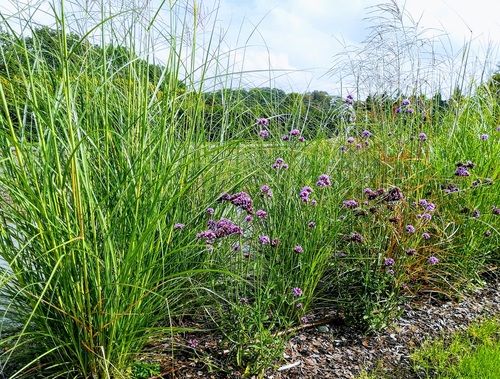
(296, 292)
(410, 228)
(179, 226)
(350, 203)
(300, 305)
(284, 166)
(244, 300)
(262, 121)
(294, 132)
(304, 320)
(298, 249)
(483, 137)
(389, 262)
(210, 211)
(422, 137)
(275, 242)
(390, 272)
(261, 214)
(280, 160)
(301, 139)
(410, 110)
(405, 102)
(476, 213)
(312, 224)
(398, 110)
(461, 171)
(343, 148)
(426, 236)
(427, 216)
(365, 133)
(323, 180)
(285, 137)
(358, 146)
(433, 260)
(431, 207)
(264, 240)
(350, 140)
(264, 134)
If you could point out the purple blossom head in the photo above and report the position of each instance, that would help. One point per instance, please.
(312, 224)
(280, 160)
(298, 249)
(275, 166)
(179, 226)
(300, 305)
(262, 121)
(365, 133)
(476, 213)
(358, 146)
(275, 242)
(487, 233)
(431, 207)
(285, 137)
(350, 96)
(244, 300)
(349, 101)
(264, 188)
(294, 132)
(296, 292)
(422, 202)
(301, 139)
(284, 166)
(410, 110)
(323, 180)
(261, 214)
(210, 211)
(350, 203)
(426, 236)
(264, 134)
(498, 129)
(248, 218)
(398, 110)
(264, 240)
(461, 171)
(389, 262)
(422, 137)
(405, 102)
(411, 251)
(241, 200)
(410, 228)
(343, 148)
(483, 137)
(223, 228)
(390, 272)
(433, 260)
(389, 134)
(427, 216)
(304, 320)
(350, 140)
(236, 247)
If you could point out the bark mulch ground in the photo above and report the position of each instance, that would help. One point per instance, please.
(330, 349)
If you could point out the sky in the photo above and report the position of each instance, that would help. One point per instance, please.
(309, 35)
(309, 44)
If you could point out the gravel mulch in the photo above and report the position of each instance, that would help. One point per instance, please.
(335, 350)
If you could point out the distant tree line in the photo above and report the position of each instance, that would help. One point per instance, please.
(226, 113)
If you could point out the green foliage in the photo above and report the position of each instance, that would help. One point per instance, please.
(469, 354)
(143, 370)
